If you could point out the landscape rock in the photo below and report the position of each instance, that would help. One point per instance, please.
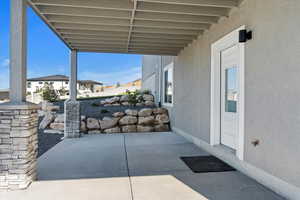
(47, 120)
(148, 97)
(124, 98)
(57, 126)
(131, 112)
(145, 112)
(163, 118)
(52, 108)
(149, 103)
(147, 121)
(52, 131)
(145, 128)
(162, 128)
(129, 129)
(127, 120)
(113, 130)
(94, 132)
(83, 127)
(158, 111)
(113, 100)
(60, 118)
(92, 124)
(140, 104)
(118, 114)
(107, 124)
(125, 103)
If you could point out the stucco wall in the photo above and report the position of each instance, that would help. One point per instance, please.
(272, 83)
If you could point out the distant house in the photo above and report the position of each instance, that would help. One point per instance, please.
(4, 95)
(60, 82)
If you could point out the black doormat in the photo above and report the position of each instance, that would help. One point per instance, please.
(204, 164)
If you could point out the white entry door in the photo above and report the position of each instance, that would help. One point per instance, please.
(230, 96)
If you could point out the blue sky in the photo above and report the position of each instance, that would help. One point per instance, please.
(47, 55)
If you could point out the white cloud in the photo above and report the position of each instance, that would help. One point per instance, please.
(5, 62)
(110, 78)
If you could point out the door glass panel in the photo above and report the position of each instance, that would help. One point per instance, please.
(231, 93)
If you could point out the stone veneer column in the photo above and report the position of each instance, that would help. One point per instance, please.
(18, 145)
(72, 119)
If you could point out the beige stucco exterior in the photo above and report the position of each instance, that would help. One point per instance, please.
(271, 85)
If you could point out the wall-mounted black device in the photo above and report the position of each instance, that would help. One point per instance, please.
(244, 36)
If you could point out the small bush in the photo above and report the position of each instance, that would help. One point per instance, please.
(49, 94)
(134, 97)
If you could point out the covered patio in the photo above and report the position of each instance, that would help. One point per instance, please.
(158, 27)
(122, 166)
(140, 166)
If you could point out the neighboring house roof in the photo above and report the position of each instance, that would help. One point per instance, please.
(61, 78)
(4, 94)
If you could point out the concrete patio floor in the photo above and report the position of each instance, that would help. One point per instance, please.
(142, 166)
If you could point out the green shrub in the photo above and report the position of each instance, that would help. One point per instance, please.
(49, 94)
(133, 97)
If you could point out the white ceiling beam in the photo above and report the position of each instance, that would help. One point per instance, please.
(84, 12)
(87, 33)
(171, 17)
(92, 39)
(182, 9)
(118, 14)
(131, 21)
(172, 25)
(164, 36)
(87, 20)
(125, 22)
(213, 3)
(165, 31)
(130, 52)
(117, 44)
(103, 4)
(89, 27)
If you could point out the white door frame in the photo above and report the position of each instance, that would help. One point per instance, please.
(226, 42)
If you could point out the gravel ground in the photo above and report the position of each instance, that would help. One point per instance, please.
(48, 140)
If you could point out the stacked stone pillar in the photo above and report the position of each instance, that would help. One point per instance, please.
(18, 146)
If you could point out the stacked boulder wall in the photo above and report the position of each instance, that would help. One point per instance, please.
(141, 128)
(129, 129)
(145, 112)
(108, 123)
(131, 112)
(113, 130)
(147, 121)
(92, 124)
(128, 120)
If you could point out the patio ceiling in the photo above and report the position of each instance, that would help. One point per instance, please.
(161, 27)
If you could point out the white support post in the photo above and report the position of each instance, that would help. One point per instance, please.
(18, 51)
(73, 77)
